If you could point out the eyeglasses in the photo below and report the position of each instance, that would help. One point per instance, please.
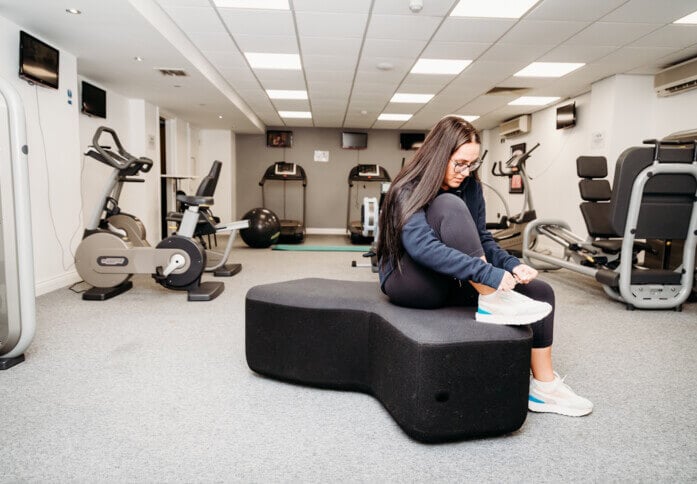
(461, 167)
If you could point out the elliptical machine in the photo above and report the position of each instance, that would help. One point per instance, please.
(509, 230)
(113, 246)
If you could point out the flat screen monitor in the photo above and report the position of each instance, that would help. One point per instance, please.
(283, 168)
(566, 116)
(354, 141)
(93, 100)
(411, 141)
(38, 61)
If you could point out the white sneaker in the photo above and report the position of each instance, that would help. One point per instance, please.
(510, 307)
(556, 397)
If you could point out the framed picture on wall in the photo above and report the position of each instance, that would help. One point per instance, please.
(515, 184)
(279, 139)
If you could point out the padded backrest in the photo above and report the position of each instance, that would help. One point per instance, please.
(667, 201)
(591, 166)
(207, 186)
(595, 190)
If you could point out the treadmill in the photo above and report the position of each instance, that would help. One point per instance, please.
(363, 231)
(292, 231)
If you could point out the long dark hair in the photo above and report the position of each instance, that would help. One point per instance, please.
(417, 184)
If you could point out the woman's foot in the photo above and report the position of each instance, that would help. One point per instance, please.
(557, 397)
(510, 307)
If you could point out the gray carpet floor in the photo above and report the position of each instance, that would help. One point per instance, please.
(148, 387)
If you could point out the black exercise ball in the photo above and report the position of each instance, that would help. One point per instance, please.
(264, 228)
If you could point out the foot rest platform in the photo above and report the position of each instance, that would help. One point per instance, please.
(440, 374)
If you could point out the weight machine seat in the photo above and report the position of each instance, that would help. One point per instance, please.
(668, 198)
(441, 375)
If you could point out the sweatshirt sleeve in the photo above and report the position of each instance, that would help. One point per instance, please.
(422, 245)
(492, 251)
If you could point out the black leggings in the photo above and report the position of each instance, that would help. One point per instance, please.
(418, 286)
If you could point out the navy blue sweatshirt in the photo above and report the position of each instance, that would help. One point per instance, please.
(422, 245)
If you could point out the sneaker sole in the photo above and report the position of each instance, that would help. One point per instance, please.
(549, 408)
(511, 320)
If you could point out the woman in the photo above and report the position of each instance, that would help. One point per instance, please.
(434, 250)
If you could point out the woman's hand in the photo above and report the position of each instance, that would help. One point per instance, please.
(507, 283)
(524, 273)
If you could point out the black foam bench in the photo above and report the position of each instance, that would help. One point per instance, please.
(440, 374)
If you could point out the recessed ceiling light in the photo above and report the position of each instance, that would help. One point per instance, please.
(177, 85)
(285, 94)
(385, 66)
(295, 114)
(256, 4)
(260, 60)
(220, 116)
(548, 69)
(139, 59)
(403, 97)
(394, 117)
(688, 19)
(440, 66)
(492, 8)
(467, 117)
(533, 100)
(73, 11)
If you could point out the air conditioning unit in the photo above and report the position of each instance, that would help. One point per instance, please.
(676, 79)
(514, 127)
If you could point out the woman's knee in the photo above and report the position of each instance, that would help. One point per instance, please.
(537, 290)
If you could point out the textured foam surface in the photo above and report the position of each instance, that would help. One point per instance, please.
(441, 375)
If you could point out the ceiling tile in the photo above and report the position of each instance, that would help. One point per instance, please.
(195, 19)
(319, 24)
(330, 62)
(212, 40)
(273, 79)
(327, 77)
(329, 45)
(424, 84)
(573, 10)
(673, 36)
(409, 49)
(437, 8)
(354, 6)
(611, 33)
(651, 11)
(454, 50)
(274, 44)
(532, 32)
(505, 52)
(401, 27)
(226, 59)
(258, 22)
(456, 29)
(291, 104)
(576, 53)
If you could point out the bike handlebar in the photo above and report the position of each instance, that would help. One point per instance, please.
(121, 160)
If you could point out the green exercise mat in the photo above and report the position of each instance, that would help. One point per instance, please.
(322, 248)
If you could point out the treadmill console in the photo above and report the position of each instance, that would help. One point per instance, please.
(368, 170)
(283, 168)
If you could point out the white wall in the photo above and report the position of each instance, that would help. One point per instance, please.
(54, 162)
(619, 112)
(217, 144)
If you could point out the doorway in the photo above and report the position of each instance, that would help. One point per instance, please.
(163, 179)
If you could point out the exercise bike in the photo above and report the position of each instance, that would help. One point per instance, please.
(508, 232)
(113, 248)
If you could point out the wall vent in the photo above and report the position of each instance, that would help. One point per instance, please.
(172, 72)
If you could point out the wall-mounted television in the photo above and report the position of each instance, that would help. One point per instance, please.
(93, 100)
(354, 141)
(566, 116)
(279, 139)
(411, 141)
(38, 61)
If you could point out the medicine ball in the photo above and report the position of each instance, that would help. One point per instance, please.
(264, 228)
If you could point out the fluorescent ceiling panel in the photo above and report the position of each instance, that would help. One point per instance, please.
(492, 8)
(394, 117)
(533, 101)
(295, 114)
(467, 117)
(548, 69)
(286, 94)
(688, 19)
(256, 4)
(403, 97)
(261, 60)
(440, 66)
